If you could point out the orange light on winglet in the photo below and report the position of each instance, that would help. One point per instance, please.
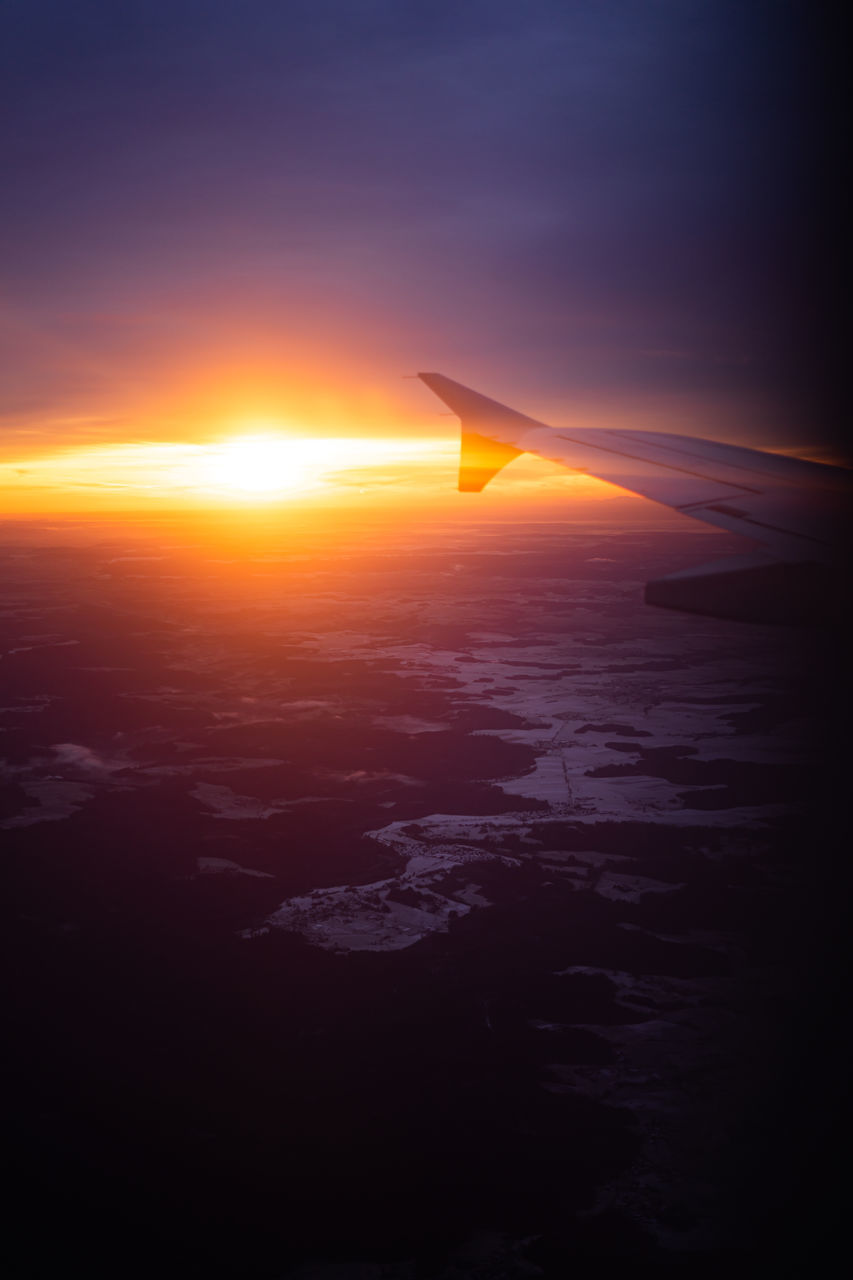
(480, 460)
(482, 456)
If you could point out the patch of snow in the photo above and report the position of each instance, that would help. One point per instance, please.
(622, 888)
(222, 866)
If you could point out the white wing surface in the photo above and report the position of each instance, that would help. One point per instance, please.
(794, 508)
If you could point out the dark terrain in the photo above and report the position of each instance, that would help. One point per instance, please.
(604, 1016)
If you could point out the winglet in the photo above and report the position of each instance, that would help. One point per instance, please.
(490, 431)
(480, 460)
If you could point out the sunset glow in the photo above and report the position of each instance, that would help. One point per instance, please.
(246, 468)
(268, 468)
(273, 465)
(266, 464)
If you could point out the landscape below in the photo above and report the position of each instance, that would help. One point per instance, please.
(421, 902)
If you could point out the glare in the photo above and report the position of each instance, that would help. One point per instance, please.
(262, 464)
(271, 464)
(255, 466)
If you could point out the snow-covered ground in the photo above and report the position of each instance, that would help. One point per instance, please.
(581, 708)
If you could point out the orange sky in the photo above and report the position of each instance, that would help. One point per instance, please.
(217, 222)
(243, 438)
(261, 467)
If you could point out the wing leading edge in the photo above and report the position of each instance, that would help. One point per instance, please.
(794, 508)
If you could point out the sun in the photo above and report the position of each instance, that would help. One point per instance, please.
(261, 464)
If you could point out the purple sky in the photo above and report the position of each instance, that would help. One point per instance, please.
(577, 207)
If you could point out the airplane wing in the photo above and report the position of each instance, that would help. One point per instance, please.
(795, 509)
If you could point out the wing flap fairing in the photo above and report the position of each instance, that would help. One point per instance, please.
(754, 589)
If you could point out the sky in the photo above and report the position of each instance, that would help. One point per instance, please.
(220, 214)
